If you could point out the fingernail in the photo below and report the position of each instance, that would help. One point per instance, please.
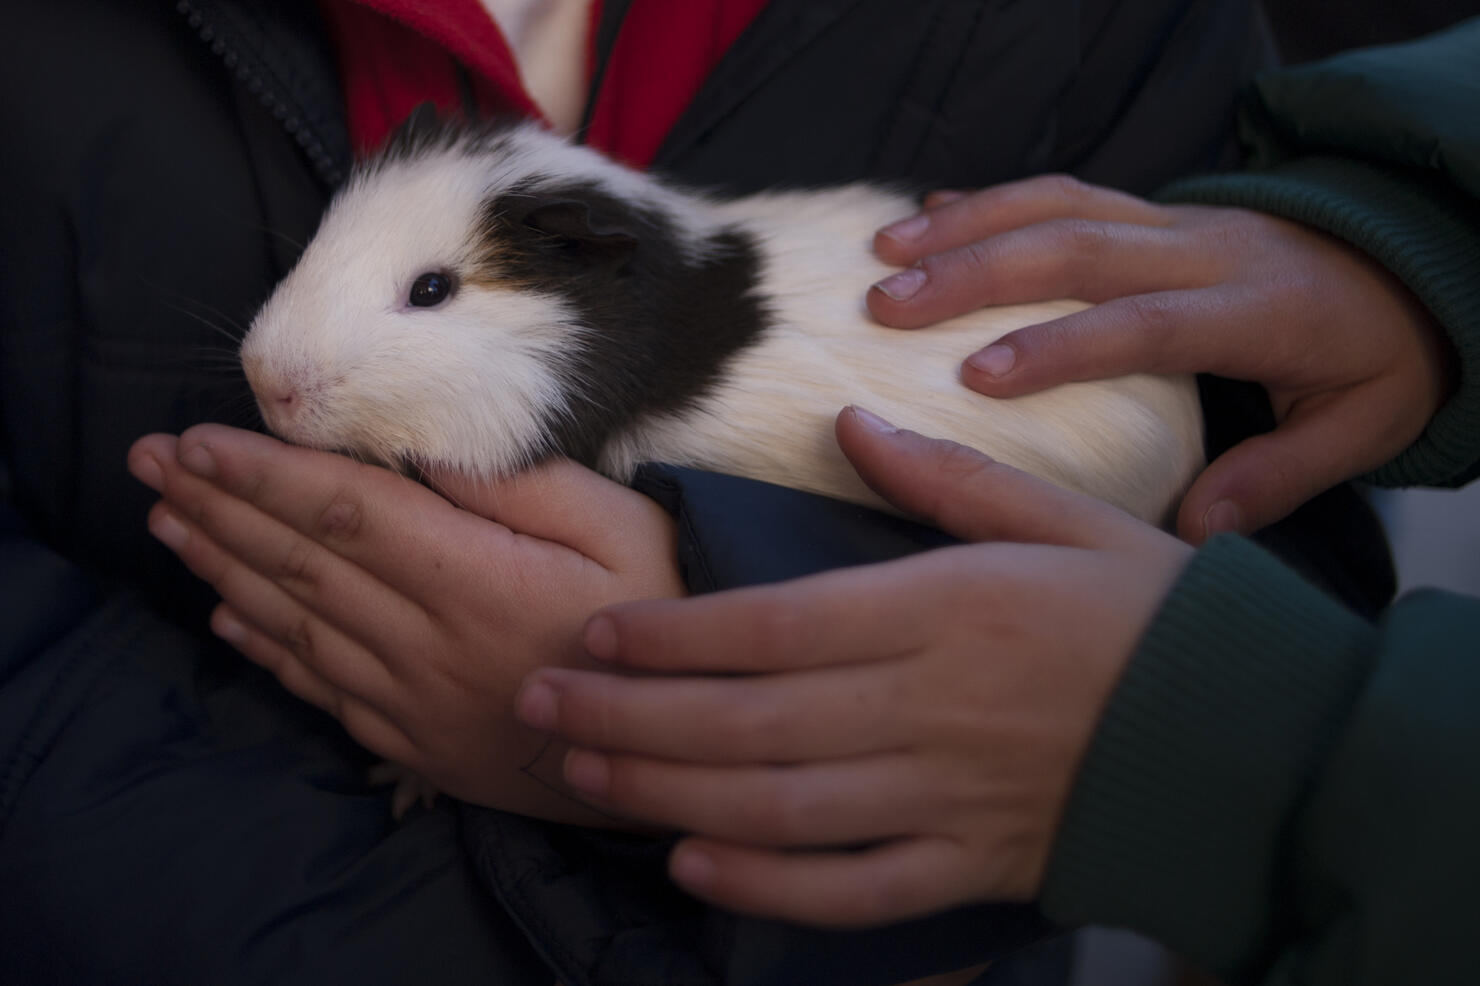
(692, 868)
(995, 361)
(199, 461)
(873, 422)
(146, 469)
(904, 285)
(228, 627)
(1222, 516)
(600, 638)
(167, 528)
(587, 772)
(538, 706)
(908, 230)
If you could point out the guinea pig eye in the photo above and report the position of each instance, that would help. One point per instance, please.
(431, 289)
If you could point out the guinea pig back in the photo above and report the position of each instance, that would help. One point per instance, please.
(482, 297)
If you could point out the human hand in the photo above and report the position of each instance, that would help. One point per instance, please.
(931, 710)
(1354, 366)
(410, 619)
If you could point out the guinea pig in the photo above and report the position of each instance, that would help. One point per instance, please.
(482, 297)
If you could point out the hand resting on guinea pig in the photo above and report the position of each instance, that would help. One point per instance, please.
(487, 297)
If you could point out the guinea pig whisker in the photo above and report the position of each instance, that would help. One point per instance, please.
(238, 410)
(234, 337)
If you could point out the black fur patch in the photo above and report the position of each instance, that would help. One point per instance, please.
(662, 323)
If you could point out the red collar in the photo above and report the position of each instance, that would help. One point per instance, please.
(396, 54)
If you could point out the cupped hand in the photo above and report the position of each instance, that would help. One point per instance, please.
(409, 616)
(872, 744)
(1354, 366)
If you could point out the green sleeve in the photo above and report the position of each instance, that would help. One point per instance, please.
(1381, 148)
(1282, 792)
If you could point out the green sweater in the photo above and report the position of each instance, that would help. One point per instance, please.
(1278, 790)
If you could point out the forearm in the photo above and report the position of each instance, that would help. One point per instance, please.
(1280, 791)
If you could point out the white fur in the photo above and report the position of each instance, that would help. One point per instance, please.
(467, 384)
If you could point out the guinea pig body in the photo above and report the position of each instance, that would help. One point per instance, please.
(486, 298)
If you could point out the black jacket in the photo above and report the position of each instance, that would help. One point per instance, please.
(166, 813)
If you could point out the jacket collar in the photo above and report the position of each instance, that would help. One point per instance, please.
(277, 49)
(781, 31)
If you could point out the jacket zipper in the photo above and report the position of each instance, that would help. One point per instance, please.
(258, 86)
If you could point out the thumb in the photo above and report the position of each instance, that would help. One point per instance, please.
(1263, 479)
(558, 501)
(971, 495)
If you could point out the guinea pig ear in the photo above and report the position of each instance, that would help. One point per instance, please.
(569, 221)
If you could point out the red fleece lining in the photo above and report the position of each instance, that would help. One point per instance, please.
(396, 54)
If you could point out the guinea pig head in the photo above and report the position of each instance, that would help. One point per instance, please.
(436, 318)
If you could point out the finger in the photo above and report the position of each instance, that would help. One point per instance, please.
(971, 495)
(265, 604)
(899, 880)
(147, 454)
(1061, 258)
(828, 803)
(265, 652)
(276, 575)
(950, 223)
(1183, 331)
(565, 503)
(370, 726)
(844, 616)
(375, 518)
(836, 712)
(1265, 478)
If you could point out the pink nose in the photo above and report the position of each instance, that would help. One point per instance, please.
(279, 406)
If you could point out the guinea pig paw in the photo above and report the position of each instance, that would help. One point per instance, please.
(410, 787)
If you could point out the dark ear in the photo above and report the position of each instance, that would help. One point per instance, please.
(569, 225)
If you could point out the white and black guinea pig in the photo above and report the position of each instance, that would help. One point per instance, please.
(484, 297)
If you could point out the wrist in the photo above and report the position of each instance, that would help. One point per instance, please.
(1174, 821)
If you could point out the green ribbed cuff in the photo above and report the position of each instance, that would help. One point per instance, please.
(1420, 230)
(1177, 825)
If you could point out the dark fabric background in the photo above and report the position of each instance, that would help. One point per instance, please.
(1310, 29)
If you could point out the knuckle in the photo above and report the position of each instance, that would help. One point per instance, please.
(341, 519)
(1154, 319)
(1062, 187)
(962, 464)
(777, 627)
(252, 486)
(958, 468)
(593, 713)
(781, 814)
(300, 564)
(299, 639)
(752, 723)
(1048, 338)
(970, 265)
(1237, 230)
(1077, 238)
(197, 510)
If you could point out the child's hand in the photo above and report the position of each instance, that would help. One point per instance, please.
(1355, 367)
(408, 617)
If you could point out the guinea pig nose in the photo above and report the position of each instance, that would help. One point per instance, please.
(279, 406)
(284, 400)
